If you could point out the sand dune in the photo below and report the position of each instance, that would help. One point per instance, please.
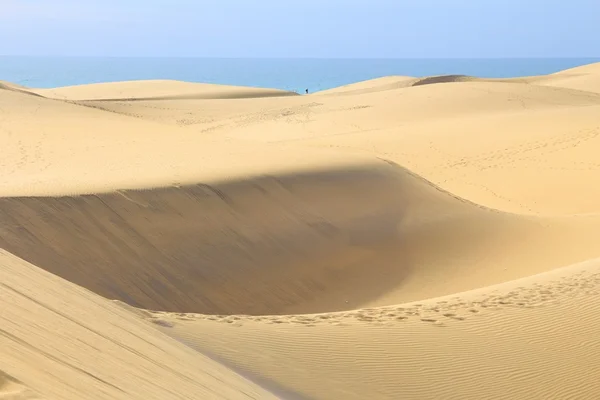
(51, 149)
(196, 248)
(524, 169)
(401, 82)
(586, 78)
(529, 339)
(157, 90)
(372, 85)
(541, 136)
(396, 238)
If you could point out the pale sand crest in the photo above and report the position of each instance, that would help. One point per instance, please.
(395, 238)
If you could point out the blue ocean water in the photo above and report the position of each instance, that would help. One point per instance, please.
(288, 74)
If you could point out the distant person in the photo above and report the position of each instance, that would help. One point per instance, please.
(306, 91)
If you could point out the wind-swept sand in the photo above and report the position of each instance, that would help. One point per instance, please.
(531, 338)
(415, 238)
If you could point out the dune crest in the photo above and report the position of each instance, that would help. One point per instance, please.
(157, 90)
(371, 85)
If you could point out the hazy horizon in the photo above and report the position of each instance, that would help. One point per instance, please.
(380, 29)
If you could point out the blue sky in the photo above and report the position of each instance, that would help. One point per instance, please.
(301, 28)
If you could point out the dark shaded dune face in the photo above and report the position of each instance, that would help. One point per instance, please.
(267, 245)
(312, 242)
(441, 79)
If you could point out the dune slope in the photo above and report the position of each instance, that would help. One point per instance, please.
(284, 243)
(65, 342)
(528, 339)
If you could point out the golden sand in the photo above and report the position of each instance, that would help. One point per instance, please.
(399, 238)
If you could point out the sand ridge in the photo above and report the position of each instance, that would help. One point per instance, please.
(157, 90)
(362, 242)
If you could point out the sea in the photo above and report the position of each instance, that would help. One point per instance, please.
(288, 74)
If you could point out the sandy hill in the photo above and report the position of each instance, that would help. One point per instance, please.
(371, 85)
(585, 78)
(218, 247)
(530, 338)
(406, 232)
(424, 128)
(157, 89)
